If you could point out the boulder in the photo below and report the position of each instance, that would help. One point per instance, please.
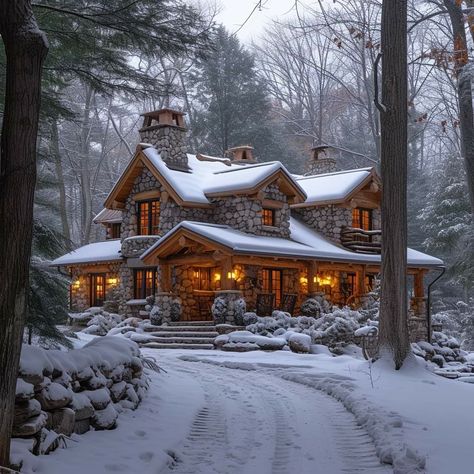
(82, 406)
(300, 343)
(105, 419)
(54, 396)
(62, 421)
(26, 410)
(82, 426)
(31, 426)
(117, 391)
(99, 398)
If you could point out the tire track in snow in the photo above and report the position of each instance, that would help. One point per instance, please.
(257, 422)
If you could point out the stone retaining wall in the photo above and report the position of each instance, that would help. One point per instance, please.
(72, 392)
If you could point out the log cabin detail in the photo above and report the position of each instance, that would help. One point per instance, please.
(203, 237)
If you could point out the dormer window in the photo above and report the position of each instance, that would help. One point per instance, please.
(148, 217)
(362, 218)
(268, 217)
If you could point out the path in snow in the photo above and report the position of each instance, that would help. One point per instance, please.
(254, 422)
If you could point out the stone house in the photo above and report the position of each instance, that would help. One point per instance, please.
(209, 236)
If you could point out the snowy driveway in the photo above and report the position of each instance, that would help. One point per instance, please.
(252, 422)
(201, 418)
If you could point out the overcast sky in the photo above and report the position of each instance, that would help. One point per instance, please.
(234, 12)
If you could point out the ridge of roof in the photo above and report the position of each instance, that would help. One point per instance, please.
(334, 173)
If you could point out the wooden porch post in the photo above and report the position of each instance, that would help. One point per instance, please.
(419, 289)
(165, 278)
(226, 282)
(312, 273)
(361, 284)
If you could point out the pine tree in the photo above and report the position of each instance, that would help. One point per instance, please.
(231, 103)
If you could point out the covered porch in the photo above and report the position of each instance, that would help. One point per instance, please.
(197, 271)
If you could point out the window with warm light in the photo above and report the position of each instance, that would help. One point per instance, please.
(145, 283)
(148, 217)
(114, 231)
(268, 217)
(273, 283)
(362, 218)
(97, 289)
(202, 277)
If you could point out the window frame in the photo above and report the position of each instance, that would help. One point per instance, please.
(361, 211)
(94, 300)
(272, 212)
(140, 293)
(271, 280)
(150, 214)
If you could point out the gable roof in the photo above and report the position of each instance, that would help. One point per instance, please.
(304, 243)
(205, 179)
(108, 216)
(334, 187)
(107, 251)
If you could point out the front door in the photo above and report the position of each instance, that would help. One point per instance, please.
(273, 283)
(98, 289)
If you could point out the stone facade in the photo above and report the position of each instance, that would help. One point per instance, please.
(166, 309)
(327, 220)
(170, 141)
(81, 284)
(133, 247)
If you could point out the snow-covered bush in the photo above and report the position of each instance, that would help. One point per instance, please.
(102, 322)
(315, 306)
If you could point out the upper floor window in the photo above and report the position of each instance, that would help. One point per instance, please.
(148, 217)
(362, 218)
(114, 231)
(268, 217)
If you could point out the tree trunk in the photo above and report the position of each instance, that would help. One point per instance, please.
(61, 187)
(393, 302)
(464, 91)
(25, 48)
(86, 192)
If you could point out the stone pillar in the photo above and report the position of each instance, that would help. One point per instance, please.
(167, 309)
(320, 161)
(229, 308)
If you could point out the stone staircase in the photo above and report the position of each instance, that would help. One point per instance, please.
(183, 335)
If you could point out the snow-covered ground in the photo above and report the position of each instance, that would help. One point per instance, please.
(280, 412)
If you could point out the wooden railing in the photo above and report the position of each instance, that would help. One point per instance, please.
(360, 240)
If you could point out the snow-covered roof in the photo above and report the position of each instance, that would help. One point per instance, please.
(304, 243)
(92, 253)
(108, 216)
(337, 187)
(207, 178)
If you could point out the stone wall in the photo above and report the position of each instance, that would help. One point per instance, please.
(135, 246)
(170, 141)
(327, 220)
(81, 285)
(83, 388)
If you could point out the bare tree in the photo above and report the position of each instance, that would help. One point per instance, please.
(25, 48)
(393, 118)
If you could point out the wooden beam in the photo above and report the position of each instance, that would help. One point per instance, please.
(419, 288)
(164, 282)
(144, 195)
(312, 273)
(269, 262)
(362, 290)
(226, 282)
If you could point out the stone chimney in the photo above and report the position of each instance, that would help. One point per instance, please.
(166, 131)
(241, 155)
(321, 161)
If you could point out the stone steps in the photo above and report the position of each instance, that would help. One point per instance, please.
(183, 335)
(153, 329)
(157, 345)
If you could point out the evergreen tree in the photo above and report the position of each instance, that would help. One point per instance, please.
(446, 220)
(231, 106)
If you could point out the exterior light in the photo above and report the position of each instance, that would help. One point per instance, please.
(325, 280)
(76, 284)
(303, 280)
(112, 281)
(231, 275)
(217, 277)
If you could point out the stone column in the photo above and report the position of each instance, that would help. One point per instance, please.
(229, 308)
(167, 309)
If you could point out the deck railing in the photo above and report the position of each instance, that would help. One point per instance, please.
(360, 240)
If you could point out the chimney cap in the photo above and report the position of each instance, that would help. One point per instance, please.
(241, 147)
(157, 113)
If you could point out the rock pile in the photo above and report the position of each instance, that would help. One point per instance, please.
(70, 392)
